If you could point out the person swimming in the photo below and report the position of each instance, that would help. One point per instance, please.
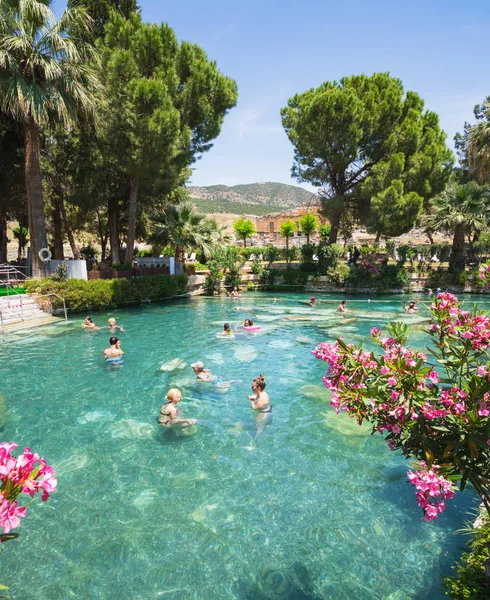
(169, 411)
(342, 307)
(234, 293)
(312, 301)
(89, 324)
(112, 325)
(227, 329)
(114, 351)
(411, 308)
(202, 373)
(260, 400)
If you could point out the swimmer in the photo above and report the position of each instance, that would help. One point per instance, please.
(227, 329)
(168, 412)
(342, 307)
(112, 325)
(234, 293)
(260, 400)
(411, 308)
(202, 373)
(89, 324)
(312, 301)
(114, 351)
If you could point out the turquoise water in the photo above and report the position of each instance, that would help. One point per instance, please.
(312, 507)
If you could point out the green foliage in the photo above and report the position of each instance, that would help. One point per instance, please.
(225, 262)
(290, 254)
(271, 254)
(287, 228)
(244, 228)
(109, 293)
(307, 252)
(289, 277)
(371, 148)
(339, 274)
(324, 231)
(122, 266)
(99, 11)
(236, 208)
(308, 224)
(257, 267)
(468, 582)
(329, 256)
(60, 273)
(88, 252)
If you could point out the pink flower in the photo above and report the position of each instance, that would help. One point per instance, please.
(384, 370)
(392, 380)
(10, 514)
(433, 376)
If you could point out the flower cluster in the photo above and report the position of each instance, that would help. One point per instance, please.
(432, 490)
(24, 474)
(439, 413)
(61, 272)
(369, 267)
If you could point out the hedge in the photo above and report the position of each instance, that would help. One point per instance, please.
(101, 294)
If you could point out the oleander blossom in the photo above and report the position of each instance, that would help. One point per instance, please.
(432, 490)
(25, 474)
(435, 410)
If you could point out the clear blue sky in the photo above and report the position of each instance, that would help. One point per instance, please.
(275, 48)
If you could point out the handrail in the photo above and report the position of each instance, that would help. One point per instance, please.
(56, 296)
(6, 269)
(1, 321)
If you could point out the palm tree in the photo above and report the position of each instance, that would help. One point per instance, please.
(45, 78)
(479, 149)
(460, 210)
(184, 229)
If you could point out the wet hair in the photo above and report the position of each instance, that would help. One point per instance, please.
(171, 394)
(248, 323)
(226, 327)
(259, 382)
(113, 340)
(111, 320)
(344, 302)
(89, 319)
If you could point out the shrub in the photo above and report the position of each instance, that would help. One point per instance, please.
(60, 273)
(339, 274)
(290, 254)
(271, 254)
(469, 583)
(257, 267)
(307, 252)
(101, 294)
(328, 256)
(122, 266)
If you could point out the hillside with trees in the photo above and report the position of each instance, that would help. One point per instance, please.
(249, 198)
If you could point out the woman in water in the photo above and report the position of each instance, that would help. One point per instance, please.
(89, 324)
(260, 400)
(312, 302)
(168, 412)
(112, 325)
(411, 308)
(202, 373)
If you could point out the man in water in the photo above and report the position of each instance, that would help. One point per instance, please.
(114, 351)
(342, 307)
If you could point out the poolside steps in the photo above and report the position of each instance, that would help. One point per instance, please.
(30, 324)
(15, 309)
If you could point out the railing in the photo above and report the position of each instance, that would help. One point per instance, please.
(35, 298)
(8, 273)
(51, 305)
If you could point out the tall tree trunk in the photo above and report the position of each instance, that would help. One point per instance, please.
(113, 209)
(307, 239)
(58, 231)
(3, 238)
(103, 235)
(69, 232)
(457, 254)
(35, 202)
(132, 212)
(179, 254)
(334, 225)
(244, 242)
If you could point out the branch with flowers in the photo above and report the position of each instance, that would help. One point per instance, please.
(439, 417)
(26, 474)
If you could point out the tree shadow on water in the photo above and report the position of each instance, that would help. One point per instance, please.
(270, 584)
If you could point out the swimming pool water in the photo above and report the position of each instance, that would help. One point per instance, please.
(312, 507)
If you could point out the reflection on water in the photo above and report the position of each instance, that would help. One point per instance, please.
(305, 506)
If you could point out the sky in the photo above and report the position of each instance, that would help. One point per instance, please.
(277, 48)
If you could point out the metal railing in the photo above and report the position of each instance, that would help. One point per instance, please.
(8, 273)
(35, 298)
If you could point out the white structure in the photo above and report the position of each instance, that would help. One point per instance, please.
(77, 269)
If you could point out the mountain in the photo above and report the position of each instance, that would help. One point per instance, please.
(250, 198)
